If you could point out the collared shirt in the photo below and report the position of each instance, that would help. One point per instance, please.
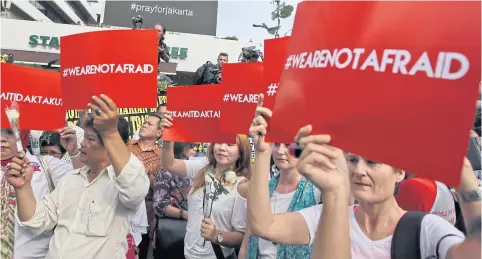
(91, 219)
(152, 162)
(33, 245)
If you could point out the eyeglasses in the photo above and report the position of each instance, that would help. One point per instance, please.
(51, 153)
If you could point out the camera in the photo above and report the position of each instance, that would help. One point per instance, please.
(137, 22)
(250, 55)
(216, 72)
(208, 73)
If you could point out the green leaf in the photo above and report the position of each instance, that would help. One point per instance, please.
(273, 30)
(286, 11)
(263, 25)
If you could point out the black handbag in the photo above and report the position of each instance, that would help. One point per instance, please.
(171, 231)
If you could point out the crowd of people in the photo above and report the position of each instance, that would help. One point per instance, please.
(96, 190)
(89, 191)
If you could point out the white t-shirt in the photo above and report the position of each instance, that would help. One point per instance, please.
(29, 245)
(139, 223)
(280, 203)
(229, 214)
(433, 229)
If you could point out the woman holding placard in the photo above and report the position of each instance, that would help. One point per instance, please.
(289, 191)
(376, 228)
(217, 200)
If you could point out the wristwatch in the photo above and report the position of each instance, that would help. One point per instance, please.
(469, 196)
(220, 237)
(180, 213)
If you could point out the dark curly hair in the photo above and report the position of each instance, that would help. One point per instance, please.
(49, 138)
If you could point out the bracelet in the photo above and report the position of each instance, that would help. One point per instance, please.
(469, 196)
(76, 155)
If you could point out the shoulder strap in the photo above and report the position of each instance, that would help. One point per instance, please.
(406, 237)
(179, 185)
(217, 251)
(273, 183)
(47, 172)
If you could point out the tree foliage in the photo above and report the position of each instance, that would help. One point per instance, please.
(230, 38)
(281, 11)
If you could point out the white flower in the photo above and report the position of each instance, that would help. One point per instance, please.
(231, 177)
(208, 179)
(12, 115)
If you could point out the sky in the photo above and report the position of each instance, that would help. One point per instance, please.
(236, 18)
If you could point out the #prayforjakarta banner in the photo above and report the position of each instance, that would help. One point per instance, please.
(198, 17)
(398, 84)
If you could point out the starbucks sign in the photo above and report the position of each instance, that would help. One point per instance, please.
(52, 42)
(45, 41)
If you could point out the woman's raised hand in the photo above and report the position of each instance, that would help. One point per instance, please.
(259, 126)
(321, 163)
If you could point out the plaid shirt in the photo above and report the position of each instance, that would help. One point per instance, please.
(152, 162)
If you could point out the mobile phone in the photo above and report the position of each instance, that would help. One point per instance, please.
(474, 152)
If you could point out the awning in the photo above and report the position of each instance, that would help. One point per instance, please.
(44, 58)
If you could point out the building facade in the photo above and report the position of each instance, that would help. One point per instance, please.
(39, 42)
(80, 12)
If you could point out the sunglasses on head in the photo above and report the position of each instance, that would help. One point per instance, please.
(293, 148)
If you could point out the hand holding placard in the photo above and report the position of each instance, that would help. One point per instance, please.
(381, 98)
(259, 126)
(68, 140)
(322, 164)
(166, 121)
(106, 116)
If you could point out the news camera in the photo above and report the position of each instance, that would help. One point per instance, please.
(208, 73)
(137, 22)
(250, 55)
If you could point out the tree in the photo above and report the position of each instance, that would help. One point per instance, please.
(281, 11)
(230, 38)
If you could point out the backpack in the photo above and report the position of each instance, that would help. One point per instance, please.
(200, 72)
(406, 237)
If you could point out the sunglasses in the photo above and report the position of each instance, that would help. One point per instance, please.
(293, 148)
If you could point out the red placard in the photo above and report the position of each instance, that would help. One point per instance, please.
(397, 84)
(38, 94)
(275, 51)
(196, 111)
(121, 64)
(242, 83)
